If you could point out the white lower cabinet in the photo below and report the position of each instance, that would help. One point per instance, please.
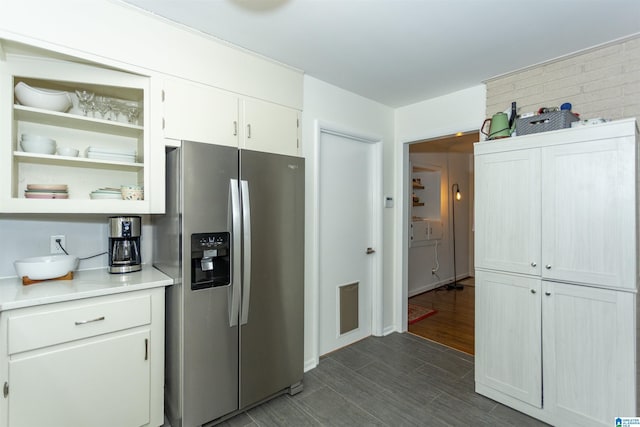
(508, 335)
(91, 362)
(589, 353)
(102, 383)
(560, 352)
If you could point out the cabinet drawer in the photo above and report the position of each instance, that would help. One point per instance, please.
(66, 322)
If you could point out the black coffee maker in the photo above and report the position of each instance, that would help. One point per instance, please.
(124, 244)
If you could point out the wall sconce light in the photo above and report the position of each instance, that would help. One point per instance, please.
(458, 195)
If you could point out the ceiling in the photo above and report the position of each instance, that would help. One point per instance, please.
(399, 52)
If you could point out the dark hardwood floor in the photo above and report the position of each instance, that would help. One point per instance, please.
(453, 325)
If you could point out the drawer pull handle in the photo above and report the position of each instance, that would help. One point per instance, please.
(83, 322)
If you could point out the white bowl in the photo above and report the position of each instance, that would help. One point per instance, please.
(32, 137)
(46, 99)
(68, 151)
(45, 267)
(40, 146)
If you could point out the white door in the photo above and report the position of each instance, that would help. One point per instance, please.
(346, 206)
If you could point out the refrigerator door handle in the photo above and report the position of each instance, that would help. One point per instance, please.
(246, 244)
(236, 256)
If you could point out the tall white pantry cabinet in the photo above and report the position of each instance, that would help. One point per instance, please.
(556, 273)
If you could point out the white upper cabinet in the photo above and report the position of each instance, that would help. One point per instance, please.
(201, 113)
(270, 127)
(560, 205)
(197, 112)
(588, 212)
(507, 214)
(101, 137)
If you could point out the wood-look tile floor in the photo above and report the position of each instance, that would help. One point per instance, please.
(453, 325)
(396, 380)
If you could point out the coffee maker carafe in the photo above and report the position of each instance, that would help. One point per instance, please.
(124, 244)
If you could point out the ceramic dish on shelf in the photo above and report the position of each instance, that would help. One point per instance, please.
(40, 145)
(47, 187)
(45, 195)
(47, 99)
(68, 151)
(111, 196)
(132, 192)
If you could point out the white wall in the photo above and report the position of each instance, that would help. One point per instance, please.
(459, 111)
(331, 105)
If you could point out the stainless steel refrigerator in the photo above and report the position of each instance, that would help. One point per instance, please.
(232, 239)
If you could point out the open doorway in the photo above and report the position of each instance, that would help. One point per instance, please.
(439, 266)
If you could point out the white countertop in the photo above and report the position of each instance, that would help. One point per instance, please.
(85, 284)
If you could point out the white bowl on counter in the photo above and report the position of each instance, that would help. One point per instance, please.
(46, 99)
(45, 267)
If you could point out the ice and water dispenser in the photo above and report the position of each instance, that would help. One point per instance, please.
(210, 260)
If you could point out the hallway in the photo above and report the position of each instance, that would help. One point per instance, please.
(453, 324)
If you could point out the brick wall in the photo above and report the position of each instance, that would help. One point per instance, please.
(601, 82)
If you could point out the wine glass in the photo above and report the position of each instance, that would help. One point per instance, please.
(132, 113)
(84, 98)
(103, 106)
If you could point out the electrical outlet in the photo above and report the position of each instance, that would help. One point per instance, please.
(55, 247)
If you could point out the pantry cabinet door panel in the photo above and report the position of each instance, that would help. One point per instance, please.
(507, 214)
(196, 112)
(98, 383)
(588, 344)
(508, 326)
(588, 212)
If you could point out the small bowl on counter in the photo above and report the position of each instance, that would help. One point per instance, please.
(46, 99)
(132, 192)
(45, 267)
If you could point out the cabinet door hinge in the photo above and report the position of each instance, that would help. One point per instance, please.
(162, 95)
(297, 123)
(163, 123)
(5, 389)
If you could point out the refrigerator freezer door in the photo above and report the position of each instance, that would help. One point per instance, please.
(210, 345)
(271, 349)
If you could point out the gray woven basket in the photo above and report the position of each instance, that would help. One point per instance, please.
(545, 122)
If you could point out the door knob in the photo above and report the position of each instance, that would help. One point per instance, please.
(533, 264)
(547, 293)
(548, 266)
(370, 251)
(533, 291)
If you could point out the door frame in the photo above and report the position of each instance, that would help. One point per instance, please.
(377, 315)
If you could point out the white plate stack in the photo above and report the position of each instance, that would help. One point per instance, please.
(106, 193)
(111, 154)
